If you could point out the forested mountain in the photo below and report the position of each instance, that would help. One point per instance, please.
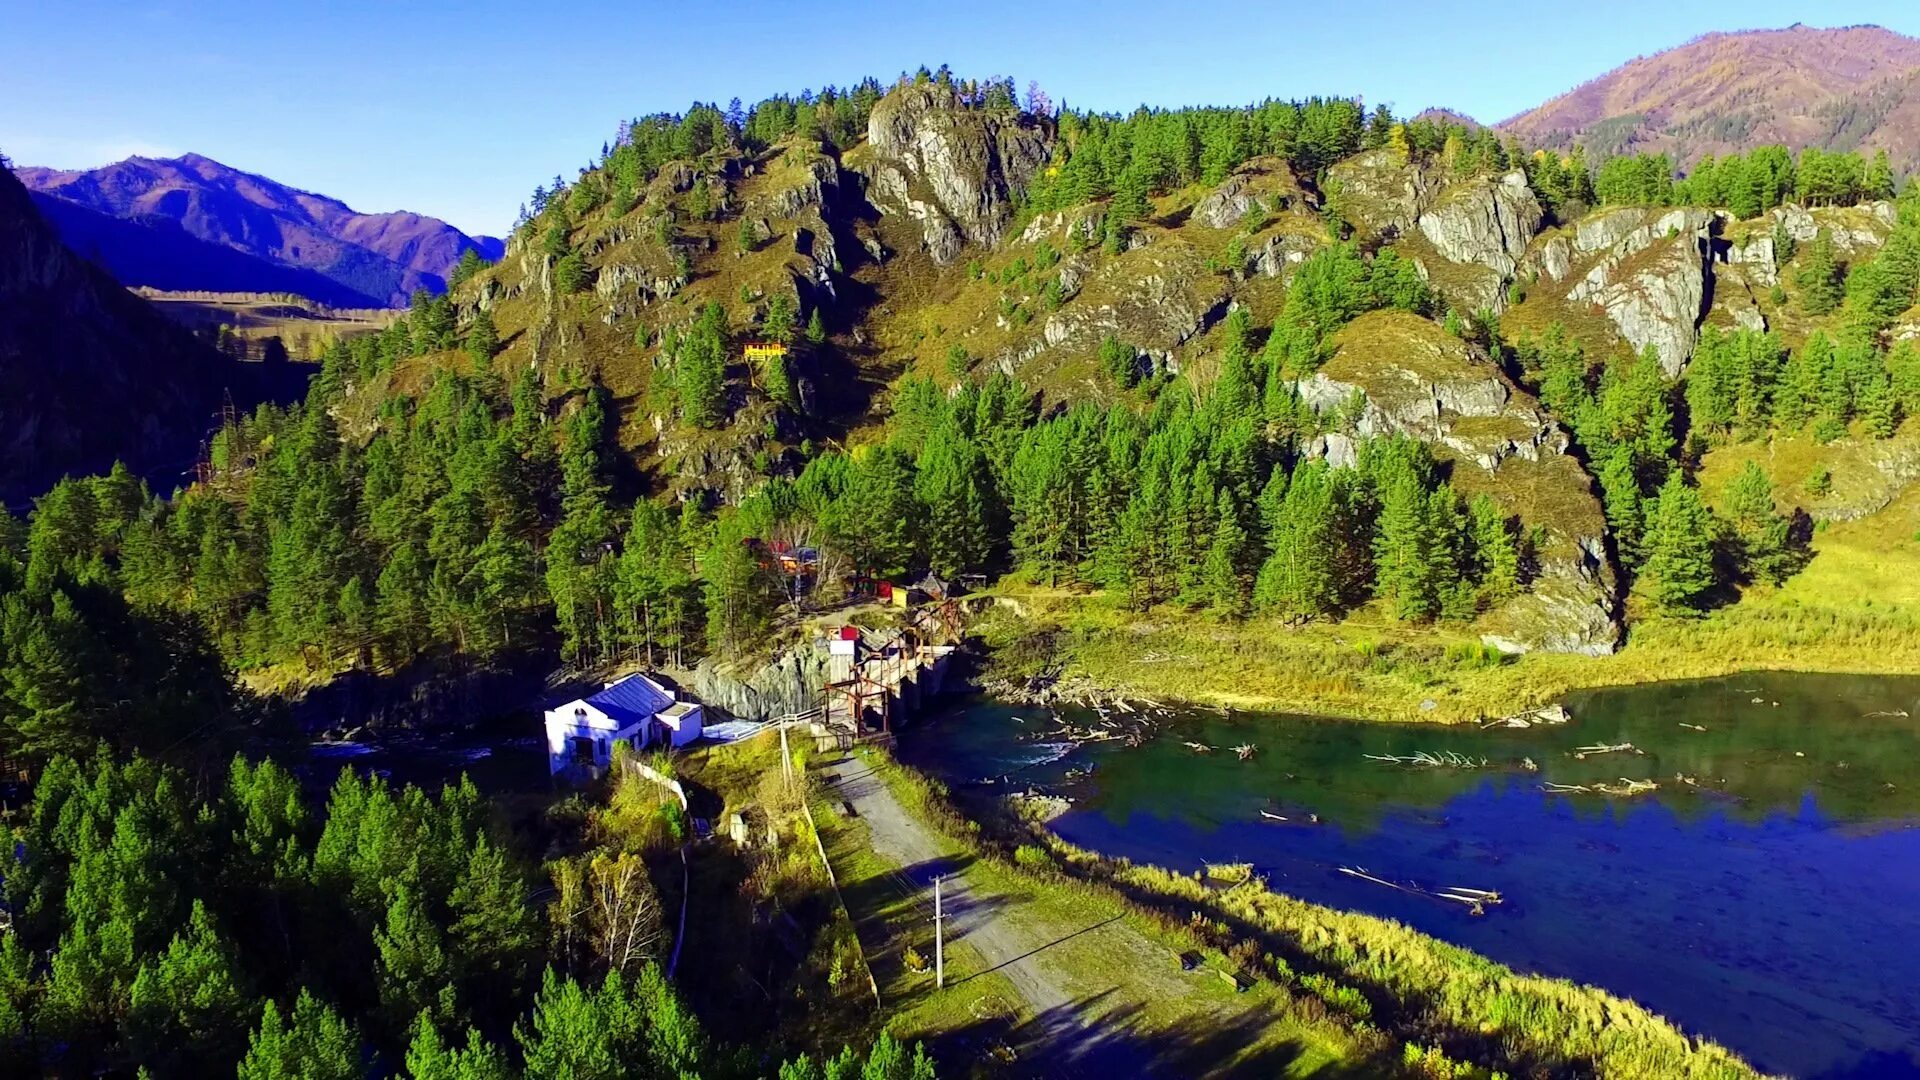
(1287, 361)
(89, 372)
(373, 260)
(1847, 88)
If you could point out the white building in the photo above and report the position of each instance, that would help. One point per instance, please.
(636, 710)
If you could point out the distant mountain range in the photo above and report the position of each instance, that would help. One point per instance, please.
(1855, 87)
(91, 373)
(194, 223)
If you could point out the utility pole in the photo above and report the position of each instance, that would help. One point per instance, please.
(939, 940)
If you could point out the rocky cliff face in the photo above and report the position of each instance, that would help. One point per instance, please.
(1487, 221)
(955, 170)
(1647, 271)
(1467, 235)
(1420, 381)
(789, 683)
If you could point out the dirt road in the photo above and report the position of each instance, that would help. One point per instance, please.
(973, 917)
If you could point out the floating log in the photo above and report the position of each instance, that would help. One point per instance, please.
(1625, 787)
(1199, 748)
(1545, 714)
(1581, 752)
(1271, 816)
(1445, 759)
(1245, 750)
(1475, 900)
(1693, 727)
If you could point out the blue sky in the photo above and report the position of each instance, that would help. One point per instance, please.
(458, 110)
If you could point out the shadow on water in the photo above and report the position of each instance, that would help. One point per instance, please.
(1761, 896)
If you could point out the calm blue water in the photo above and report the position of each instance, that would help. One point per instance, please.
(1772, 905)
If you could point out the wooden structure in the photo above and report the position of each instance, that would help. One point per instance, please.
(877, 677)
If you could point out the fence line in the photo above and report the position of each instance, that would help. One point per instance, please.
(852, 927)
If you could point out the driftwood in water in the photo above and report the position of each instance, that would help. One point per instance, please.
(1582, 752)
(1245, 750)
(1545, 714)
(1200, 748)
(1475, 900)
(1624, 787)
(1445, 759)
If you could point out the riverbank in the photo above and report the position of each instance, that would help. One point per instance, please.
(1855, 609)
(1043, 974)
(1400, 1001)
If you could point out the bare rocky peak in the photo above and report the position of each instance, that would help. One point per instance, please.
(956, 169)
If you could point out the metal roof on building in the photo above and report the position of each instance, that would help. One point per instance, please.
(632, 699)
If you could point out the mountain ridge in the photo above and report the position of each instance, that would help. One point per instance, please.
(89, 372)
(1837, 88)
(381, 257)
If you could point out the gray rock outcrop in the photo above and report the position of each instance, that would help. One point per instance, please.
(1380, 195)
(1484, 222)
(1418, 381)
(1648, 273)
(789, 683)
(956, 170)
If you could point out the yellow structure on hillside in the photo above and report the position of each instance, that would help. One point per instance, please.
(759, 350)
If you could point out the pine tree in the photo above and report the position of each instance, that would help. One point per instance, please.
(700, 369)
(1225, 578)
(314, 1043)
(429, 1057)
(1822, 285)
(1403, 549)
(739, 593)
(482, 339)
(1620, 494)
(1758, 526)
(953, 487)
(778, 324)
(1496, 550)
(1300, 578)
(1679, 547)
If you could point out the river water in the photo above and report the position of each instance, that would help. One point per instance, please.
(1766, 895)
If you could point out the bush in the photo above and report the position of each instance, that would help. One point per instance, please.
(1032, 857)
